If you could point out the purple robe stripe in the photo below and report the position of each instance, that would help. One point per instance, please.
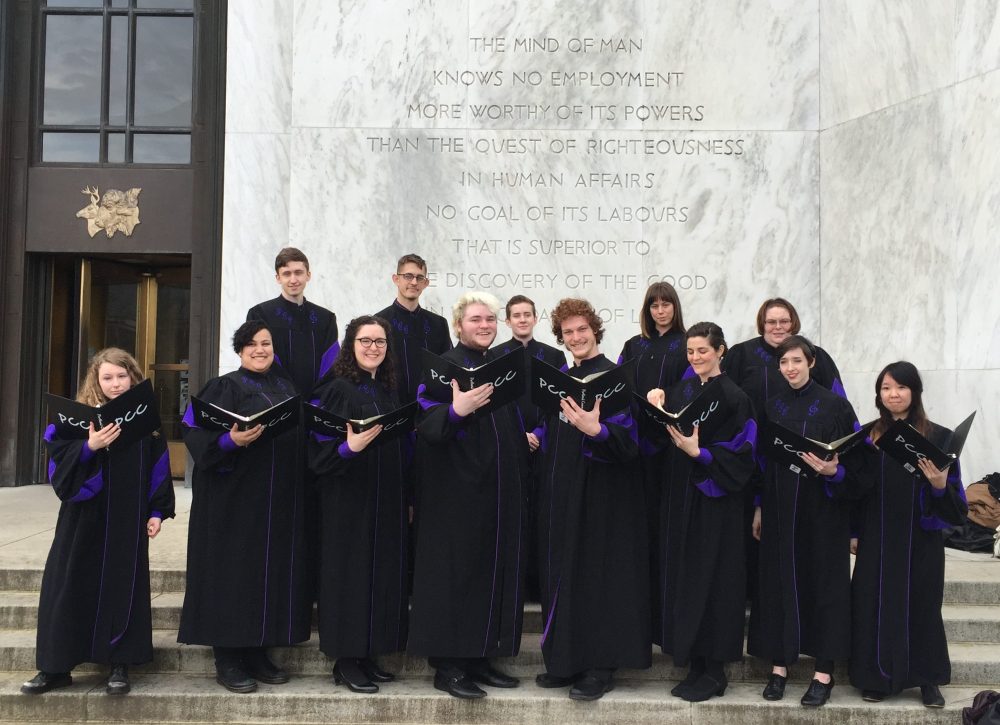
(161, 472)
(329, 357)
(90, 488)
(838, 388)
(710, 488)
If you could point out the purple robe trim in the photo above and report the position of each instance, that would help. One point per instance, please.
(326, 362)
(454, 417)
(747, 435)
(602, 435)
(345, 452)
(155, 515)
(227, 443)
(704, 456)
(161, 472)
(50, 433)
(688, 374)
(710, 488)
(838, 388)
(86, 453)
(90, 488)
(188, 418)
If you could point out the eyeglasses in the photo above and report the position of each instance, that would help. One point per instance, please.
(786, 322)
(366, 342)
(410, 277)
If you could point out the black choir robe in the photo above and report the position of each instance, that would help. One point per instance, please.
(304, 338)
(753, 365)
(363, 510)
(531, 420)
(247, 583)
(702, 534)
(592, 545)
(94, 602)
(660, 362)
(898, 638)
(411, 333)
(468, 577)
(804, 603)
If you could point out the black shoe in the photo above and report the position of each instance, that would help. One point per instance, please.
(548, 680)
(681, 687)
(375, 673)
(817, 694)
(457, 684)
(775, 689)
(235, 679)
(260, 668)
(485, 674)
(118, 683)
(705, 688)
(931, 695)
(45, 681)
(872, 696)
(348, 672)
(591, 687)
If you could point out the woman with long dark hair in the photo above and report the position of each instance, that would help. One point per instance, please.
(94, 604)
(363, 510)
(898, 639)
(660, 356)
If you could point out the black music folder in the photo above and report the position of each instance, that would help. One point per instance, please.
(902, 441)
(135, 411)
(276, 420)
(549, 386)
(786, 447)
(394, 424)
(707, 411)
(506, 374)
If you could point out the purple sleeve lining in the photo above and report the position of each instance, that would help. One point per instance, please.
(227, 443)
(710, 488)
(704, 456)
(90, 488)
(188, 418)
(602, 435)
(756, 500)
(688, 374)
(321, 438)
(454, 417)
(837, 477)
(938, 492)
(345, 451)
(156, 515)
(747, 434)
(85, 453)
(50, 433)
(326, 362)
(838, 388)
(425, 402)
(161, 472)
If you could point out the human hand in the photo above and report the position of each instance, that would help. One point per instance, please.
(357, 442)
(587, 422)
(243, 438)
(104, 437)
(688, 444)
(467, 402)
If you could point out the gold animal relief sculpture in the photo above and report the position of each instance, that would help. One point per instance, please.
(117, 211)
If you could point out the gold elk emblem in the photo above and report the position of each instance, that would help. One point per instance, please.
(117, 211)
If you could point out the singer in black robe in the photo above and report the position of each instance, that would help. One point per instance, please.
(898, 639)
(592, 545)
(363, 559)
(304, 337)
(660, 362)
(805, 566)
(94, 603)
(702, 537)
(411, 333)
(468, 580)
(247, 583)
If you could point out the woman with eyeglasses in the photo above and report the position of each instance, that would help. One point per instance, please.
(363, 561)
(897, 634)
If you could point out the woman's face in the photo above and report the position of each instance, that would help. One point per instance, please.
(794, 365)
(703, 358)
(777, 325)
(258, 355)
(662, 313)
(896, 397)
(370, 357)
(114, 380)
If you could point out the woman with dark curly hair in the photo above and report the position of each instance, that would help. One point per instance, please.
(247, 582)
(592, 530)
(363, 512)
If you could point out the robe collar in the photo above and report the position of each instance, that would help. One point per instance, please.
(588, 366)
(477, 357)
(804, 390)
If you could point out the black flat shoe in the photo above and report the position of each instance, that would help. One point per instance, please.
(457, 684)
(260, 668)
(375, 673)
(348, 672)
(872, 696)
(591, 687)
(775, 689)
(681, 687)
(550, 681)
(118, 683)
(235, 679)
(817, 694)
(45, 681)
(485, 674)
(931, 695)
(705, 688)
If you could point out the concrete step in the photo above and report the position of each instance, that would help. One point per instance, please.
(29, 579)
(972, 663)
(193, 699)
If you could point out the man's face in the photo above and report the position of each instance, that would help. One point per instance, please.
(293, 278)
(522, 320)
(411, 281)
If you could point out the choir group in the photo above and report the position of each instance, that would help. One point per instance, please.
(628, 532)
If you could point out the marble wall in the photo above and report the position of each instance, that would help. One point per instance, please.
(837, 153)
